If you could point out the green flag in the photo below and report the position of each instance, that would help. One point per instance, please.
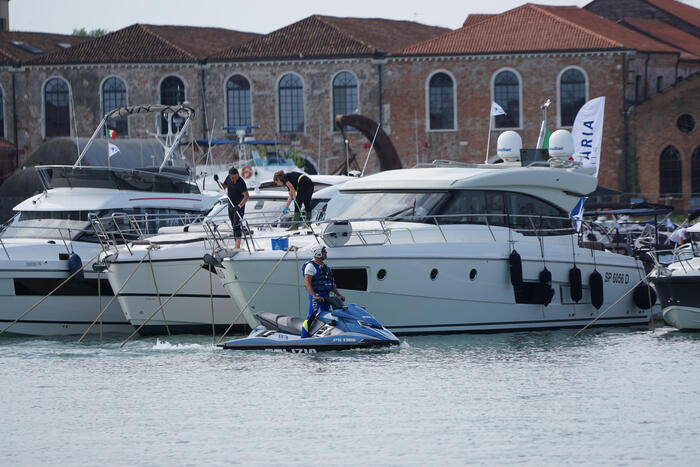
(545, 142)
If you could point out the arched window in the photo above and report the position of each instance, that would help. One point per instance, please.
(695, 172)
(670, 182)
(238, 101)
(56, 108)
(291, 102)
(113, 97)
(441, 102)
(572, 95)
(172, 92)
(344, 94)
(506, 93)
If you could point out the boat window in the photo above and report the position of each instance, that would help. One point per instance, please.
(350, 278)
(533, 216)
(465, 207)
(405, 206)
(117, 179)
(47, 224)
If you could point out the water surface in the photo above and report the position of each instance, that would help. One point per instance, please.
(614, 396)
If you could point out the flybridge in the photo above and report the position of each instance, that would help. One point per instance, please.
(168, 181)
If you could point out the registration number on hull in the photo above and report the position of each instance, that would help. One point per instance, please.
(617, 277)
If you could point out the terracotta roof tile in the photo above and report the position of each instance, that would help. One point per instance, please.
(143, 43)
(474, 18)
(11, 54)
(324, 36)
(680, 10)
(666, 33)
(533, 28)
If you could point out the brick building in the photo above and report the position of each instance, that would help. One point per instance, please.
(430, 88)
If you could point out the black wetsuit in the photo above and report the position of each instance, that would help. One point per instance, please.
(304, 188)
(235, 194)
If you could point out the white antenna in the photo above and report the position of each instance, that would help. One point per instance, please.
(370, 151)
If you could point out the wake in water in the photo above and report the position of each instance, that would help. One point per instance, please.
(165, 345)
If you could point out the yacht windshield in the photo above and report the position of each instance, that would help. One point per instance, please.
(370, 205)
(47, 224)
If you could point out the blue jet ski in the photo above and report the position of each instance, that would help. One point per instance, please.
(343, 327)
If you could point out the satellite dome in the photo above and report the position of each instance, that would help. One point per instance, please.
(561, 145)
(509, 145)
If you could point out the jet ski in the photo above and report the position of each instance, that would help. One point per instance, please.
(343, 327)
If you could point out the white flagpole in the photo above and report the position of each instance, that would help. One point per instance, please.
(109, 161)
(488, 139)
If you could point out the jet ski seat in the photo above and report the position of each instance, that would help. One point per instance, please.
(285, 324)
(282, 323)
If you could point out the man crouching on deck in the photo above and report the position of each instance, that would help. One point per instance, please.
(318, 280)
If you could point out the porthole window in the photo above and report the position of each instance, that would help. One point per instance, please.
(472, 274)
(433, 274)
(381, 274)
(685, 123)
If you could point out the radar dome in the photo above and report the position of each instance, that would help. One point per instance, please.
(509, 146)
(561, 145)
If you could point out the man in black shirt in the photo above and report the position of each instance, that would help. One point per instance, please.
(300, 189)
(238, 195)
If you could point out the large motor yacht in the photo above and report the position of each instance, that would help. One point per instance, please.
(196, 302)
(51, 236)
(455, 248)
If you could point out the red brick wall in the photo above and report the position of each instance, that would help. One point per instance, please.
(405, 91)
(653, 126)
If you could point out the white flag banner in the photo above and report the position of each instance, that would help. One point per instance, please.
(112, 149)
(588, 132)
(496, 109)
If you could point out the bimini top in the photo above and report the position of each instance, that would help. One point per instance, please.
(562, 186)
(63, 176)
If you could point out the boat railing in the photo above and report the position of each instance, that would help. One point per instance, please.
(345, 232)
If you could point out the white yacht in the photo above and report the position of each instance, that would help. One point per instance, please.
(678, 285)
(201, 305)
(454, 248)
(50, 237)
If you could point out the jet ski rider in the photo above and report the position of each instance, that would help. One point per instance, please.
(318, 280)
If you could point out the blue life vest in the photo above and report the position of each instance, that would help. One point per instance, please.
(322, 280)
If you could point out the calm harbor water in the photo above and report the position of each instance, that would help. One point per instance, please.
(613, 396)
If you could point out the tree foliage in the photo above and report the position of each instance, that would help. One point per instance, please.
(91, 33)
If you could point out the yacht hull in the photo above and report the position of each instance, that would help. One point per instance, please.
(680, 298)
(437, 295)
(189, 311)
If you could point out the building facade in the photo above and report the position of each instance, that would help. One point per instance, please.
(429, 88)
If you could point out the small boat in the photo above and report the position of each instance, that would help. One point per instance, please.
(344, 327)
(677, 286)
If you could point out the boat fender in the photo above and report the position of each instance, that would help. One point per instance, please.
(642, 294)
(575, 284)
(595, 281)
(516, 268)
(546, 290)
(75, 263)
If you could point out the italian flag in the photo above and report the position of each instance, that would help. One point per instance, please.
(111, 134)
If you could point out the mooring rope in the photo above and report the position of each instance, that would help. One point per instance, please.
(50, 293)
(99, 317)
(616, 302)
(155, 285)
(254, 295)
(199, 266)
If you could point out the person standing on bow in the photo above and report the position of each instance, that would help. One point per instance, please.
(237, 192)
(300, 189)
(318, 280)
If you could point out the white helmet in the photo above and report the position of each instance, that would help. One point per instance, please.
(317, 251)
